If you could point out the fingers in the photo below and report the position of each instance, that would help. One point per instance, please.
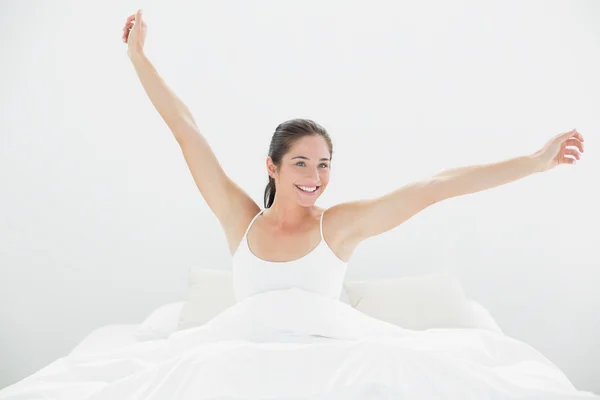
(572, 133)
(572, 147)
(129, 23)
(133, 21)
(576, 134)
(572, 152)
(126, 32)
(127, 27)
(574, 142)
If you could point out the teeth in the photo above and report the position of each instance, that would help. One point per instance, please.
(308, 189)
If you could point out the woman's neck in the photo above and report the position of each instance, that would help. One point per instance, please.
(289, 217)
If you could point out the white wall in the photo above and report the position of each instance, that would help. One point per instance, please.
(100, 218)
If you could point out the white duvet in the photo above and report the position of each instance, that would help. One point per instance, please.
(294, 344)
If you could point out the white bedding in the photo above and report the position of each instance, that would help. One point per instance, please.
(108, 337)
(293, 344)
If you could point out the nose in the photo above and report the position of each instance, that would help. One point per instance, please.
(313, 177)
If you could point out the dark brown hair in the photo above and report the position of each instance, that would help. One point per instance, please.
(286, 134)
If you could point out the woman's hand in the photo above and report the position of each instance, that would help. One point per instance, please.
(134, 33)
(555, 151)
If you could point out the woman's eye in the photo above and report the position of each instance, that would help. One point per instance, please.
(302, 162)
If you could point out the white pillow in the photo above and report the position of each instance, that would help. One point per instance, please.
(160, 323)
(210, 292)
(483, 318)
(422, 302)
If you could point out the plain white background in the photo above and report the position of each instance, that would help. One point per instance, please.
(100, 219)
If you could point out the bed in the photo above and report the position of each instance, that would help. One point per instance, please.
(403, 338)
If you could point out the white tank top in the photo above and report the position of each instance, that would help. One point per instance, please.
(319, 271)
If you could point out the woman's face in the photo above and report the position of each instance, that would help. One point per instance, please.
(306, 165)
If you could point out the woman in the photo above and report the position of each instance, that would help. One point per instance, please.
(298, 165)
(293, 343)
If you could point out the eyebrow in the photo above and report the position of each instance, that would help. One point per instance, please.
(305, 158)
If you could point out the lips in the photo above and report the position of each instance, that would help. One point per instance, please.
(309, 193)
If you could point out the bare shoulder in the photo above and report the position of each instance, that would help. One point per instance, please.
(339, 230)
(241, 216)
(340, 216)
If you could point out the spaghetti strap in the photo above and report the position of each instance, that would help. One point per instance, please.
(251, 222)
(321, 226)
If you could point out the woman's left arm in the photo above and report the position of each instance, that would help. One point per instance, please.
(370, 217)
(471, 179)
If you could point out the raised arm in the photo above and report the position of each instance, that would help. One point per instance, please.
(173, 111)
(231, 205)
(371, 217)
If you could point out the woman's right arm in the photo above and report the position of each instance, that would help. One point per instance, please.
(173, 111)
(230, 203)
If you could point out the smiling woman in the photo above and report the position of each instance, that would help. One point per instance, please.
(311, 175)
